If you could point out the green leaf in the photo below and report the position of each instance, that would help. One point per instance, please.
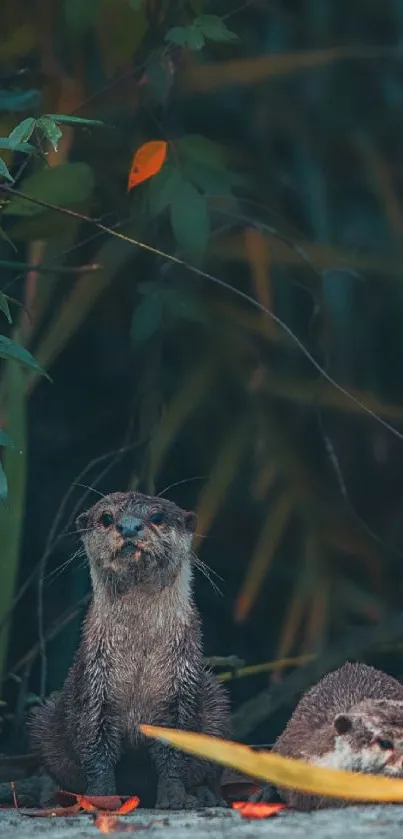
(214, 29)
(194, 38)
(5, 440)
(202, 150)
(70, 120)
(4, 173)
(70, 183)
(3, 484)
(176, 35)
(22, 132)
(162, 189)
(9, 349)
(26, 148)
(4, 307)
(190, 221)
(190, 36)
(135, 4)
(80, 16)
(215, 182)
(147, 318)
(51, 131)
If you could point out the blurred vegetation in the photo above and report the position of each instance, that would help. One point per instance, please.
(283, 181)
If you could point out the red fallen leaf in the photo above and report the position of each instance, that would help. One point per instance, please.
(100, 802)
(106, 805)
(128, 806)
(257, 810)
(85, 804)
(93, 804)
(50, 812)
(117, 805)
(147, 161)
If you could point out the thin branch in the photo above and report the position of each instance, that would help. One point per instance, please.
(175, 259)
(45, 269)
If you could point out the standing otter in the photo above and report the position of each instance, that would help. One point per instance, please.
(139, 661)
(353, 720)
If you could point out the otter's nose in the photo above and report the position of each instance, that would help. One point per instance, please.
(129, 526)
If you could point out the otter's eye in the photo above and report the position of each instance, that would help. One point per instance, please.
(386, 745)
(106, 519)
(157, 518)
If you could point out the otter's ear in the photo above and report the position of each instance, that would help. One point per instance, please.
(82, 522)
(190, 522)
(342, 723)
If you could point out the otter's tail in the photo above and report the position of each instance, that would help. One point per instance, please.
(47, 736)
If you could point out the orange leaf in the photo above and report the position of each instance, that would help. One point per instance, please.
(257, 810)
(99, 802)
(108, 804)
(128, 806)
(86, 804)
(147, 161)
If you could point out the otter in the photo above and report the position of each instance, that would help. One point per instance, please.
(353, 720)
(139, 661)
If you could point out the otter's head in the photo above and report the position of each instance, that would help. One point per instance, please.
(133, 539)
(369, 738)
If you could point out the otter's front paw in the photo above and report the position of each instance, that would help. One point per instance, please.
(171, 795)
(208, 797)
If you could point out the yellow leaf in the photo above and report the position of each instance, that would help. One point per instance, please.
(19, 44)
(269, 540)
(147, 162)
(221, 476)
(181, 406)
(282, 771)
(245, 71)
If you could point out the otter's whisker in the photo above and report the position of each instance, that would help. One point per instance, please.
(207, 567)
(63, 567)
(205, 570)
(92, 489)
(178, 483)
(75, 531)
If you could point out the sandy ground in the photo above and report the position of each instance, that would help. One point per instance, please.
(351, 823)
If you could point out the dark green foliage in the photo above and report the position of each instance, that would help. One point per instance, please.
(282, 179)
(10, 350)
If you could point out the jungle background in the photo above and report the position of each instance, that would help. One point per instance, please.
(283, 180)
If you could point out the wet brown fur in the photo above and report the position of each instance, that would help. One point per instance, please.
(139, 661)
(372, 701)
